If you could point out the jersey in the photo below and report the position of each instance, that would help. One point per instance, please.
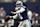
(23, 14)
(29, 13)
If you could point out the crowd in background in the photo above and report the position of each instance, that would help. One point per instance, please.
(21, 0)
(35, 17)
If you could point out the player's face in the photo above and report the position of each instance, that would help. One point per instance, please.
(18, 5)
(1, 9)
(28, 10)
(34, 13)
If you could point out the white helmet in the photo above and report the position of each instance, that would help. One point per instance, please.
(19, 2)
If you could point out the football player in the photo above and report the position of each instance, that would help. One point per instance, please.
(20, 12)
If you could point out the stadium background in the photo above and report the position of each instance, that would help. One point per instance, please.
(10, 5)
(35, 7)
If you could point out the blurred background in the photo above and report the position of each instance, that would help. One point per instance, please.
(21, 0)
(6, 6)
(34, 5)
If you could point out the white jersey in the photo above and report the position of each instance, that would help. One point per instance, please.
(18, 11)
(29, 13)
